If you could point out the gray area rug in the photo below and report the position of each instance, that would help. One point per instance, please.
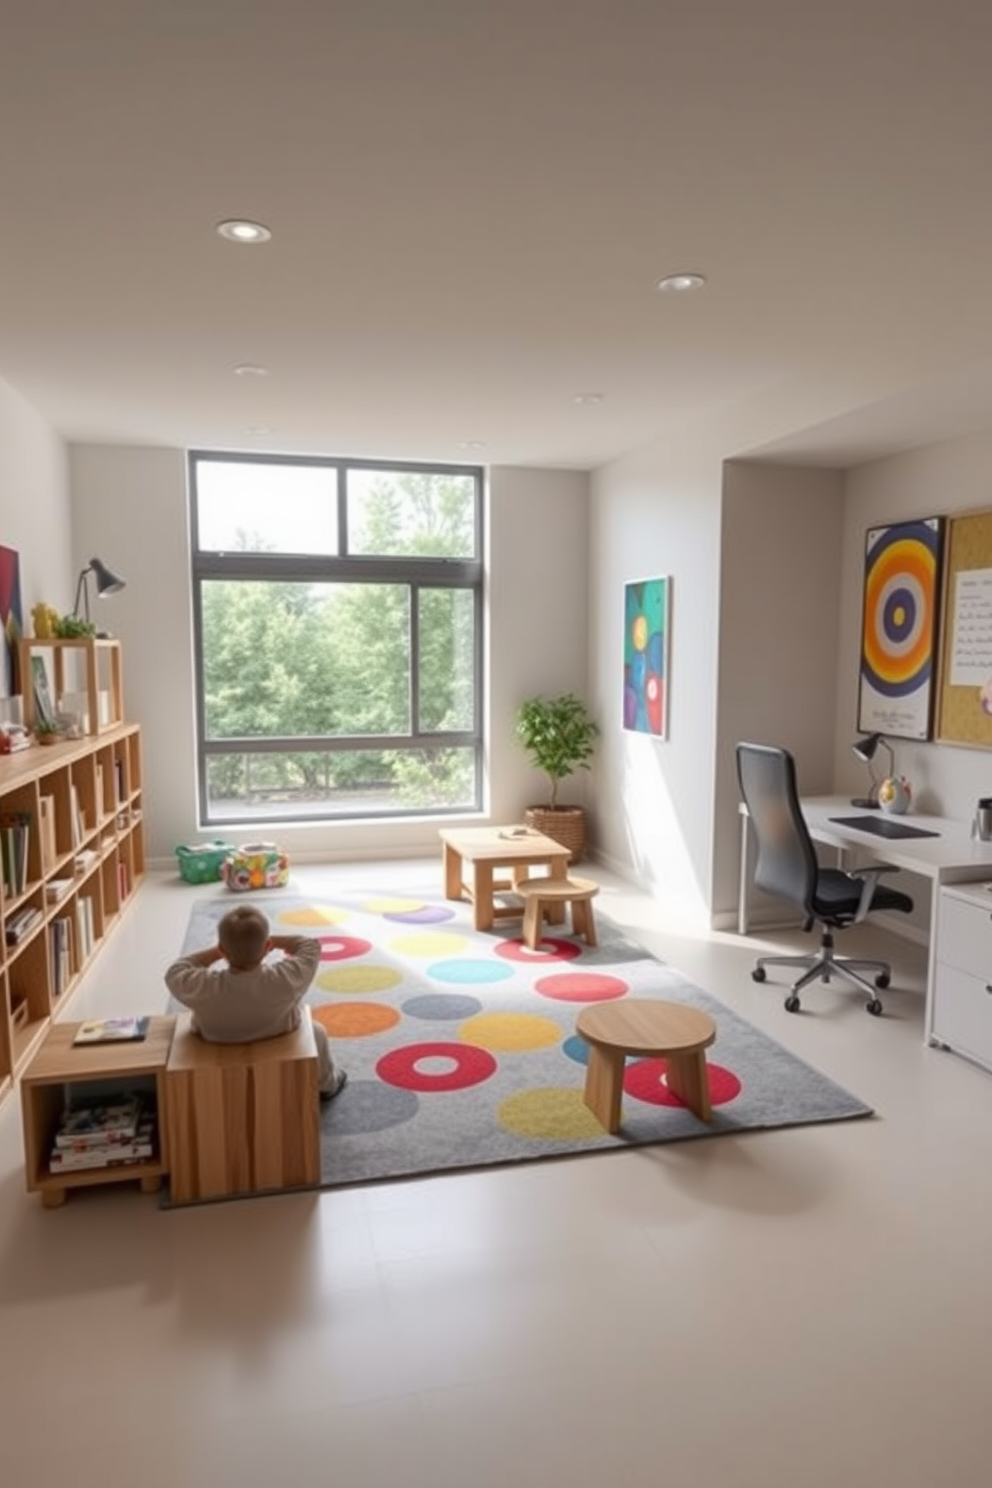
(461, 1049)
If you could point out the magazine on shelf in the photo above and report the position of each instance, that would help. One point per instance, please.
(106, 1154)
(100, 1121)
(112, 1030)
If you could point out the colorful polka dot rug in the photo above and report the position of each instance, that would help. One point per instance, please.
(461, 1049)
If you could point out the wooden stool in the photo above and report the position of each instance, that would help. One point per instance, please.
(546, 896)
(242, 1118)
(649, 1029)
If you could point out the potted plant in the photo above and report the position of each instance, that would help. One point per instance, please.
(47, 732)
(560, 738)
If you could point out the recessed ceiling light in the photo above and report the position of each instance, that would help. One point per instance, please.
(471, 444)
(588, 398)
(681, 283)
(249, 369)
(258, 429)
(243, 230)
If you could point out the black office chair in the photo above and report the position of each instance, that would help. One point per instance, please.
(786, 866)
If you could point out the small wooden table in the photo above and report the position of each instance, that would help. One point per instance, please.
(59, 1064)
(485, 849)
(649, 1029)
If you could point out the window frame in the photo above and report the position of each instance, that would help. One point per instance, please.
(414, 573)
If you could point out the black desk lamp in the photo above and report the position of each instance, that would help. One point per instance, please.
(107, 582)
(866, 749)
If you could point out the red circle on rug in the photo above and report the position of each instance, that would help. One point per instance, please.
(644, 1080)
(342, 947)
(549, 949)
(581, 986)
(472, 1066)
(355, 1019)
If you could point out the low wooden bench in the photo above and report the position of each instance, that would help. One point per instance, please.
(545, 898)
(242, 1118)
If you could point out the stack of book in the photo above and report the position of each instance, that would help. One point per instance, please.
(18, 924)
(14, 827)
(112, 1132)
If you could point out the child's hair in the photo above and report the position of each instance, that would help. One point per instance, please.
(242, 935)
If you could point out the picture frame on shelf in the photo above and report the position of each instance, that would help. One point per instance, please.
(43, 706)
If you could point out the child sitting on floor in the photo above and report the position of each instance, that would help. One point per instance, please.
(251, 998)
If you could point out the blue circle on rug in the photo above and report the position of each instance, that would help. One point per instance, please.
(429, 914)
(576, 1048)
(369, 1106)
(469, 972)
(441, 1007)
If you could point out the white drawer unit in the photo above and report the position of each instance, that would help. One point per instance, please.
(961, 1016)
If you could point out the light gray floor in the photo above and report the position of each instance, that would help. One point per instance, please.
(807, 1308)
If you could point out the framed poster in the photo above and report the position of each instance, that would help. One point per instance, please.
(12, 620)
(899, 614)
(43, 707)
(646, 624)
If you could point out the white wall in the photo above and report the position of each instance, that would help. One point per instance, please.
(130, 509)
(34, 504)
(781, 541)
(652, 515)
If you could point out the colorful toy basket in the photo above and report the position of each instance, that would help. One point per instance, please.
(256, 865)
(203, 862)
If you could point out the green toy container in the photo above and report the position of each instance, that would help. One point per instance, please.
(202, 863)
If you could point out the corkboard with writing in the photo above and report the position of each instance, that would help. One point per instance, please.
(964, 695)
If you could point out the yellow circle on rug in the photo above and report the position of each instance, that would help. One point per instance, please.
(555, 1114)
(355, 1019)
(358, 979)
(313, 915)
(428, 943)
(511, 1032)
(391, 906)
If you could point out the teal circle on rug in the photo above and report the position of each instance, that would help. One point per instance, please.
(442, 1007)
(576, 1048)
(469, 972)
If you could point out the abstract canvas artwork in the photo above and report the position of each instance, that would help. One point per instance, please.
(12, 620)
(646, 606)
(899, 628)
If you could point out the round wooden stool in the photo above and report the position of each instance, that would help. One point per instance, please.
(649, 1029)
(543, 896)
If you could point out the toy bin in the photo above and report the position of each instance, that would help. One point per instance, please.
(203, 862)
(256, 865)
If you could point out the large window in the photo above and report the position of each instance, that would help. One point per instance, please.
(338, 632)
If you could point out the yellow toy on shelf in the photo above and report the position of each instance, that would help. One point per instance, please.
(45, 617)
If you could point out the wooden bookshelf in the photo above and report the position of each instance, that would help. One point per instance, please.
(76, 808)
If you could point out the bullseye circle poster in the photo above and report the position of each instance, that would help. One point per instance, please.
(899, 628)
(646, 609)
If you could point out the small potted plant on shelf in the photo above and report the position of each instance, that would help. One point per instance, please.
(560, 737)
(46, 731)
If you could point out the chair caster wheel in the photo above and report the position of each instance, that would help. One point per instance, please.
(882, 980)
(874, 1007)
(792, 1004)
(759, 974)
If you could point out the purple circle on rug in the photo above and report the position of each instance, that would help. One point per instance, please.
(440, 1007)
(366, 1106)
(429, 914)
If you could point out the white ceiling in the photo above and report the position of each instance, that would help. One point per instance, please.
(471, 204)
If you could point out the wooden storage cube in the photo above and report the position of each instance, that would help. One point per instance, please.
(242, 1118)
(28, 989)
(85, 680)
(20, 842)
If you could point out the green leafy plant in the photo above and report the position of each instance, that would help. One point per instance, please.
(47, 728)
(71, 628)
(559, 736)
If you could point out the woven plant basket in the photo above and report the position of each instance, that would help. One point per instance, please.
(565, 825)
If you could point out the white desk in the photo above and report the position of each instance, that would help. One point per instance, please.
(949, 858)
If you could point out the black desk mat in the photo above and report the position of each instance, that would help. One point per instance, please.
(882, 826)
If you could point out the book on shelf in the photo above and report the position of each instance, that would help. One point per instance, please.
(112, 1030)
(112, 1152)
(19, 924)
(115, 1118)
(75, 816)
(85, 858)
(14, 840)
(84, 925)
(57, 888)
